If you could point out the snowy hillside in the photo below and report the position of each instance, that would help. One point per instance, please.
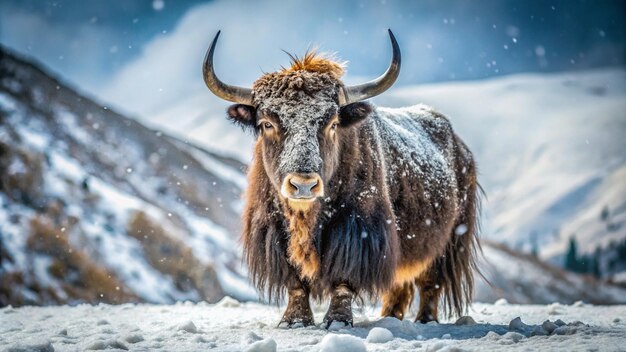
(232, 326)
(550, 150)
(96, 207)
(522, 278)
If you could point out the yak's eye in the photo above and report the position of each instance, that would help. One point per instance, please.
(267, 125)
(334, 126)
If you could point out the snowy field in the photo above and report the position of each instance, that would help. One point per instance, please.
(233, 326)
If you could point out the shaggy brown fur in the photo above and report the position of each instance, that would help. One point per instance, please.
(397, 300)
(314, 62)
(398, 187)
(301, 249)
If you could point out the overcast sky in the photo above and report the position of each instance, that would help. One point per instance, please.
(139, 55)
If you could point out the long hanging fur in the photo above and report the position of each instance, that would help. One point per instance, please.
(458, 265)
(265, 236)
(351, 244)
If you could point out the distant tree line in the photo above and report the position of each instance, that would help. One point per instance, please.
(604, 261)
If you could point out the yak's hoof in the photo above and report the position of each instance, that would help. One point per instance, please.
(346, 319)
(426, 318)
(298, 312)
(297, 318)
(296, 323)
(340, 309)
(340, 313)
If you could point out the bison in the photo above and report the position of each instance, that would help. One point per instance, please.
(347, 200)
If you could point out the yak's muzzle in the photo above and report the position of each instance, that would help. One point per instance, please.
(302, 187)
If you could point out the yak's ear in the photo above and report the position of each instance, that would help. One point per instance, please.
(243, 115)
(354, 113)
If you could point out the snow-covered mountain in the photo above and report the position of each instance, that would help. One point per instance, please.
(523, 278)
(95, 207)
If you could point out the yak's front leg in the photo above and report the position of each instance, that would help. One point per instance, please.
(298, 309)
(340, 308)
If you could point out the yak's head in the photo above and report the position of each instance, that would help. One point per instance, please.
(300, 115)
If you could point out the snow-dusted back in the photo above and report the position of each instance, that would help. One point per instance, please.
(403, 132)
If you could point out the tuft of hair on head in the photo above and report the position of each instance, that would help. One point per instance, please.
(313, 61)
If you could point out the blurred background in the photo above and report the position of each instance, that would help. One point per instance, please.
(121, 179)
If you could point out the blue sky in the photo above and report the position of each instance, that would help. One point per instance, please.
(114, 48)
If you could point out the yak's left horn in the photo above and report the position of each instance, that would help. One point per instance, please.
(227, 92)
(373, 88)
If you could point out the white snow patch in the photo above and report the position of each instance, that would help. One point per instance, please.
(228, 302)
(188, 326)
(338, 342)
(501, 302)
(379, 335)
(266, 345)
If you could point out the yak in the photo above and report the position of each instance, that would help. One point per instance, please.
(348, 200)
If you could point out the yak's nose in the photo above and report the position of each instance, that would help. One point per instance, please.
(302, 186)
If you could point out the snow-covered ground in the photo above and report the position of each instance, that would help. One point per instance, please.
(233, 326)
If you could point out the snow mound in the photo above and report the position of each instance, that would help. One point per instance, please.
(188, 326)
(465, 320)
(228, 302)
(501, 302)
(266, 345)
(379, 335)
(107, 344)
(513, 336)
(343, 343)
(133, 338)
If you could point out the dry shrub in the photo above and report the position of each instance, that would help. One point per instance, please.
(80, 277)
(172, 257)
(13, 286)
(21, 174)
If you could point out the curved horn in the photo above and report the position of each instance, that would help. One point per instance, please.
(352, 94)
(227, 92)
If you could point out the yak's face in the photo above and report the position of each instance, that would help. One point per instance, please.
(302, 116)
(300, 150)
(300, 130)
